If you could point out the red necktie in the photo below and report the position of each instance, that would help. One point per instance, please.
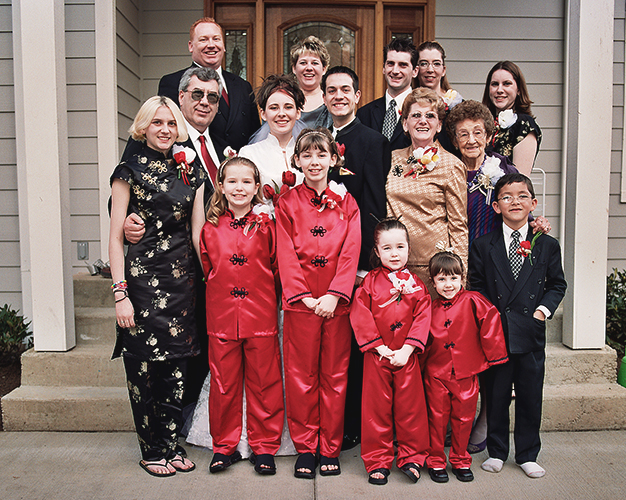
(208, 161)
(225, 97)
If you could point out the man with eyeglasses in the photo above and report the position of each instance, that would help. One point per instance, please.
(383, 115)
(237, 117)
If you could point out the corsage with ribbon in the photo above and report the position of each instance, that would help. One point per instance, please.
(403, 283)
(184, 157)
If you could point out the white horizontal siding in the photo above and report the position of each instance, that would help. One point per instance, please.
(477, 34)
(10, 278)
(617, 206)
(82, 121)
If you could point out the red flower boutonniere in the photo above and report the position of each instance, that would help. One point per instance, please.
(526, 247)
(183, 156)
(259, 219)
(229, 153)
(333, 194)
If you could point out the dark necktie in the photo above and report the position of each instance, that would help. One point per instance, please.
(514, 257)
(389, 121)
(208, 161)
(225, 97)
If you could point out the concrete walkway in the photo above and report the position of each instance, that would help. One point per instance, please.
(80, 466)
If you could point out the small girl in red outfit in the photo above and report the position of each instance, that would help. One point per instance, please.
(391, 318)
(319, 240)
(466, 338)
(238, 253)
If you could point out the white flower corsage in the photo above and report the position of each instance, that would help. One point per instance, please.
(403, 284)
(452, 98)
(184, 157)
(229, 153)
(333, 194)
(424, 159)
(261, 217)
(506, 118)
(486, 178)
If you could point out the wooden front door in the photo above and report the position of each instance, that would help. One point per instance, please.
(259, 34)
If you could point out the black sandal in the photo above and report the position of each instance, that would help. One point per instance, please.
(305, 461)
(263, 464)
(156, 463)
(328, 461)
(378, 480)
(179, 459)
(221, 462)
(406, 468)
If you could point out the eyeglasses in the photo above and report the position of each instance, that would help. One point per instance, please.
(522, 198)
(197, 95)
(434, 64)
(428, 116)
(464, 135)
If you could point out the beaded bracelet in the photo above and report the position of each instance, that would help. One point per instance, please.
(119, 286)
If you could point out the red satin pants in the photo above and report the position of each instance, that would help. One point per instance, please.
(454, 401)
(258, 361)
(316, 355)
(392, 395)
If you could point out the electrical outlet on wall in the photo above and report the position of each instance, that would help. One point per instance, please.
(83, 250)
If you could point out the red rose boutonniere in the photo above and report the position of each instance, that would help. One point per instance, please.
(183, 156)
(526, 247)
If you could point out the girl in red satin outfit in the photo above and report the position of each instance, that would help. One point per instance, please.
(466, 338)
(319, 241)
(391, 318)
(238, 253)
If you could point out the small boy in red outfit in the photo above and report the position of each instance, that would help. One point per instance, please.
(466, 338)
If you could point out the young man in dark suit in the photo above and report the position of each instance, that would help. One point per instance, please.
(238, 117)
(367, 163)
(383, 115)
(522, 276)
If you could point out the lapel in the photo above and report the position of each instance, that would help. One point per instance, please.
(348, 129)
(500, 258)
(398, 131)
(233, 99)
(378, 114)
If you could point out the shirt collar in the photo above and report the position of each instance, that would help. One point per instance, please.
(399, 99)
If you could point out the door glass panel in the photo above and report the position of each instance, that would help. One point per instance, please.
(236, 58)
(338, 39)
(395, 35)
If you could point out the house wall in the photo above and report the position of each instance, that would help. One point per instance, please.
(10, 280)
(82, 128)
(476, 34)
(617, 203)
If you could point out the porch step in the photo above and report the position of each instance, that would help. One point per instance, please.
(95, 325)
(85, 365)
(47, 408)
(92, 291)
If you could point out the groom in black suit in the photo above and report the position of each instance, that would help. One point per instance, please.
(367, 163)
(399, 70)
(237, 118)
(523, 277)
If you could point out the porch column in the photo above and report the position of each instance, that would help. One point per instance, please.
(588, 101)
(42, 171)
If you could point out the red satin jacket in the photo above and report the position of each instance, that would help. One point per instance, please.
(318, 247)
(466, 337)
(239, 271)
(378, 318)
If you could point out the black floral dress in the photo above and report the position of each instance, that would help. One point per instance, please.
(505, 139)
(159, 269)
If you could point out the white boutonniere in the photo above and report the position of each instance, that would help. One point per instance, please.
(403, 283)
(229, 153)
(184, 157)
(506, 118)
(452, 98)
(333, 194)
(261, 217)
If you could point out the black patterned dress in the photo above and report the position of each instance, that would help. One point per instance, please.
(505, 139)
(159, 269)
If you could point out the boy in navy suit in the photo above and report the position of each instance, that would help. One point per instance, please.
(523, 277)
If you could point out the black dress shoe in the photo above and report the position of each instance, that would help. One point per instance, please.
(438, 475)
(464, 475)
